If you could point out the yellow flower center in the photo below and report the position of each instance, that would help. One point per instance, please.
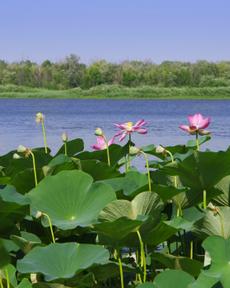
(129, 126)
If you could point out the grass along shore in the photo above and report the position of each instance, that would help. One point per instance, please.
(117, 92)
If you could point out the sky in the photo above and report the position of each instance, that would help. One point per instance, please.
(115, 30)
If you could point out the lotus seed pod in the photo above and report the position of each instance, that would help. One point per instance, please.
(39, 117)
(160, 149)
(64, 137)
(98, 132)
(133, 150)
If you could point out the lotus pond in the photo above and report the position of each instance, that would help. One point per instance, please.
(92, 219)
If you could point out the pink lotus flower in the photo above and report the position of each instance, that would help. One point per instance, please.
(128, 128)
(197, 124)
(101, 143)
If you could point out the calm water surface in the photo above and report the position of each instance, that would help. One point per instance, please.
(79, 118)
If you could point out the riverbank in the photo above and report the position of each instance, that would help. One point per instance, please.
(118, 92)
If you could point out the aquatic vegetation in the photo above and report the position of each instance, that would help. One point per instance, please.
(79, 218)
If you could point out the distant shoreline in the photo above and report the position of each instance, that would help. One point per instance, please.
(117, 92)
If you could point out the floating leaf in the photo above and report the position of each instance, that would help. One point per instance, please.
(62, 260)
(71, 199)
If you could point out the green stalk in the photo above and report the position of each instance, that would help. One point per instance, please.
(65, 146)
(204, 199)
(172, 160)
(143, 258)
(50, 225)
(197, 141)
(7, 278)
(147, 168)
(44, 136)
(128, 157)
(191, 250)
(34, 168)
(1, 284)
(117, 257)
(107, 150)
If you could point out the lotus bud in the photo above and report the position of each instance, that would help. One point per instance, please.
(64, 137)
(38, 214)
(22, 149)
(133, 150)
(39, 117)
(160, 149)
(33, 278)
(98, 132)
(16, 156)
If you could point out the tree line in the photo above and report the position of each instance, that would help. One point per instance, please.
(71, 73)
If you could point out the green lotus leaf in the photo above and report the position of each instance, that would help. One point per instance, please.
(9, 194)
(73, 147)
(26, 241)
(25, 283)
(201, 140)
(62, 260)
(219, 251)
(99, 170)
(214, 223)
(5, 258)
(224, 187)
(188, 265)
(144, 204)
(119, 228)
(202, 170)
(132, 183)
(59, 163)
(10, 213)
(71, 199)
(116, 153)
(170, 279)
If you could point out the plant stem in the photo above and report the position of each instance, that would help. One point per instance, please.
(197, 142)
(143, 258)
(117, 257)
(50, 225)
(1, 284)
(204, 199)
(7, 278)
(44, 136)
(128, 157)
(65, 146)
(172, 160)
(147, 168)
(107, 150)
(34, 168)
(191, 249)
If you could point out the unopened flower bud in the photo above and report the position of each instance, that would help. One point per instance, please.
(39, 117)
(22, 149)
(38, 214)
(98, 132)
(160, 149)
(64, 137)
(133, 150)
(16, 156)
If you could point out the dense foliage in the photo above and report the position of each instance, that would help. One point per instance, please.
(91, 219)
(71, 73)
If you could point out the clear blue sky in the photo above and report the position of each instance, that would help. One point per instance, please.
(115, 30)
